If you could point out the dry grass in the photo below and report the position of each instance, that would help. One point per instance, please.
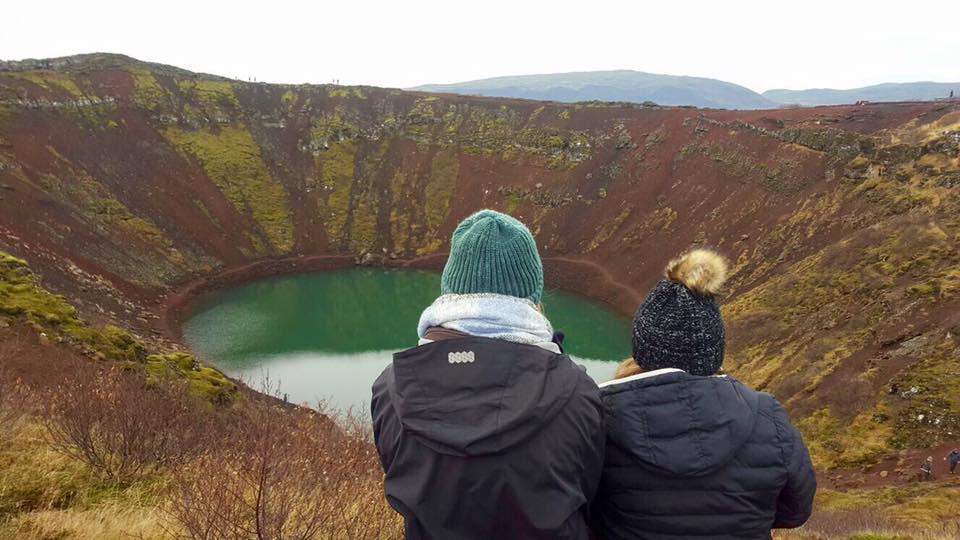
(868, 524)
(869, 533)
(112, 521)
(45, 494)
(13, 402)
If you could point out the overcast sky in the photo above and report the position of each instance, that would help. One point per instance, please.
(759, 44)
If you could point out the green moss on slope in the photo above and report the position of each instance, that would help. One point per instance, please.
(331, 128)
(488, 131)
(400, 219)
(609, 228)
(837, 443)
(346, 92)
(444, 171)
(23, 298)
(336, 171)
(149, 94)
(205, 381)
(51, 81)
(365, 201)
(233, 162)
(98, 206)
(209, 94)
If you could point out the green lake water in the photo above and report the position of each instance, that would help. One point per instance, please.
(326, 336)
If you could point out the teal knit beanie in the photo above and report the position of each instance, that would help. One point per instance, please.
(493, 253)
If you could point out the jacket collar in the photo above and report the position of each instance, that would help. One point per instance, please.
(546, 345)
(644, 375)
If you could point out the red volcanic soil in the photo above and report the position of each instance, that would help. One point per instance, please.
(900, 470)
(621, 187)
(135, 190)
(611, 191)
(716, 201)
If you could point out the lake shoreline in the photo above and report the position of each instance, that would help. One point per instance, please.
(325, 336)
(577, 276)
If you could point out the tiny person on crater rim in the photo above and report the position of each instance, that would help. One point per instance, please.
(486, 429)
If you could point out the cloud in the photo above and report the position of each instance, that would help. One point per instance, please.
(399, 44)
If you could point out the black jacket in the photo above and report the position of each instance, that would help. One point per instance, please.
(699, 457)
(503, 442)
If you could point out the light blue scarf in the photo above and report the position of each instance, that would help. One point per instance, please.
(488, 315)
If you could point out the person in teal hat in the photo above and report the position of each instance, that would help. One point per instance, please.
(493, 253)
(486, 429)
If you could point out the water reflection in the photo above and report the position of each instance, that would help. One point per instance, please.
(344, 380)
(328, 335)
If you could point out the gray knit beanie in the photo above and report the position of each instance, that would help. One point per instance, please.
(678, 325)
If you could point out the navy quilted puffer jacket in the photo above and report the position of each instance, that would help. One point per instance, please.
(699, 457)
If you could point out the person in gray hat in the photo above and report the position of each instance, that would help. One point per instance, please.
(691, 453)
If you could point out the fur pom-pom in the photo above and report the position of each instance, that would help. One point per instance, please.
(701, 270)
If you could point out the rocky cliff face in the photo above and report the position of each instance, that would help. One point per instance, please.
(120, 181)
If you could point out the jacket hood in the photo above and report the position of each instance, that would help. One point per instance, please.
(477, 396)
(678, 423)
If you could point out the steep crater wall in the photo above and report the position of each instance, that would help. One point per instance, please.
(133, 187)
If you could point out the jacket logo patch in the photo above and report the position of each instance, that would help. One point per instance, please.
(465, 357)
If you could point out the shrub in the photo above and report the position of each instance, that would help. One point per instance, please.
(121, 425)
(284, 473)
(12, 395)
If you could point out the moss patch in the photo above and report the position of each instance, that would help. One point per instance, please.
(444, 171)
(51, 81)
(206, 381)
(209, 94)
(609, 228)
(401, 222)
(835, 443)
(149, 94)
(331, 128)
(233, 162)
(336, 168)
(494, 131)
(23, 298)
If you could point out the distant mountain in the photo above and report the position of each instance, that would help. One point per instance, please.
(915, 91)
(622, 85)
